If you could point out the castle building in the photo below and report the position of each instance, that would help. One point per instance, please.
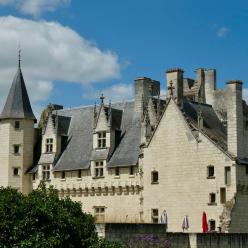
(185, 153)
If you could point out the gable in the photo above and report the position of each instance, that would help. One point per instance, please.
(102, 123)
(172, 126)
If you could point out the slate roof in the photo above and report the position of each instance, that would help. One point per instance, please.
(78, 123)
(212, 126)
(79, 152)
(17, 104)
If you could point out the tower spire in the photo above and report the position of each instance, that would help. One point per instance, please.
(19, 57)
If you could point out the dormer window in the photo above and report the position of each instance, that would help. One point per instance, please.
(101, 139)
(49, 145)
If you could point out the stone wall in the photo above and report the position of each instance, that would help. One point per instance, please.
(126, 232)
(184, 186)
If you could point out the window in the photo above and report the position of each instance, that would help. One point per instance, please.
(33, 176)
(154, 177)
(63, 174)
(99, 169)
(101, 139)
(16, 149)
(79, 174)
(131, 171)
(212, 225)
(17, 124)
(99, 214)
(46, 172)
(49, 145)
(222, 195)
(210, 171)
(16, 172)
(212, 199)
(155, 215)
(228, 175)
(117, 171)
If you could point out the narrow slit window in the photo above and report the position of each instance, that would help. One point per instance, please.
(154, 177)
(228, 175)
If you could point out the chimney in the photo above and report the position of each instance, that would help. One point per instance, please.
(144, 89)
(210, 85)
(235, 118)
(200, 78)
(174, 81)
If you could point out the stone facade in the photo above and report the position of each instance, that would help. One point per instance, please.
(185, 153)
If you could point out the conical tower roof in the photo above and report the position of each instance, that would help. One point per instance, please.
(17, 104)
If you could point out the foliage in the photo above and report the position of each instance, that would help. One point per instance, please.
(41, 219)
(148, 241)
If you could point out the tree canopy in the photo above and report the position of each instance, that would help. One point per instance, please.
(41, 219)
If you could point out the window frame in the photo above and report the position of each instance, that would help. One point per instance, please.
(117, 171)
(99, 169)
(211, 202)
(209, 175)
(49, 145)
(79, 174)
(228, 176)
(46, 172)
(63, 175)
(152, 177)
(131, 170)
(211, 223)
(154, 215)
(17, 125)
(16, 169)
(18, 147)
(99, 213)
(102, 140)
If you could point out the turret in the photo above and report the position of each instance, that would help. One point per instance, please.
(17, 136)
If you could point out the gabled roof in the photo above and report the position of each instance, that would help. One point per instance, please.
(79, 150)
(17, 104)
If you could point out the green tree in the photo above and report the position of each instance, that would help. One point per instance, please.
(41, 219)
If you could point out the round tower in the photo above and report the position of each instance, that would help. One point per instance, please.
(17, 136)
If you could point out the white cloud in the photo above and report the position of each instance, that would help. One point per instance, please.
(115, 93)
(50, 52)
(35, 7)
(223, 31)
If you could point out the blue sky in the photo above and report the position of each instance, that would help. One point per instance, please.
(141, 38)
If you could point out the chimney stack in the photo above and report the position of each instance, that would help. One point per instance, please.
(174, 81)
(144, 89)
(210, 85)
(235, 118)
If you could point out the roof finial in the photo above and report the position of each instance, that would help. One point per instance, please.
(102, 98)
(19, 57)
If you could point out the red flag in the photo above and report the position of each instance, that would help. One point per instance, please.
(204, 223)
